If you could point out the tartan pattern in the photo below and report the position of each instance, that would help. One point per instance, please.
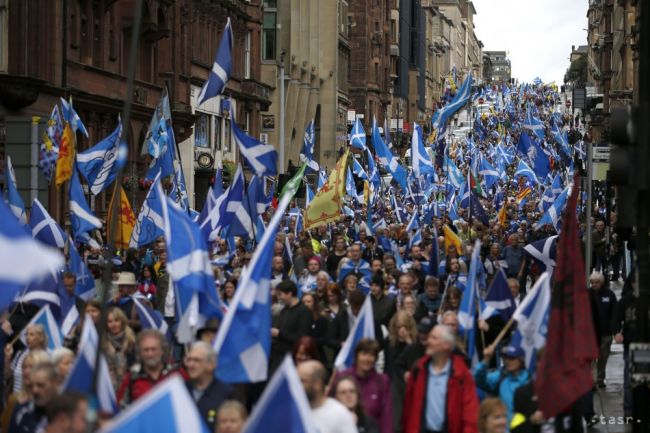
(564, 374)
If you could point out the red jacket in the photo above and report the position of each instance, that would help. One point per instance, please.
(462, 400)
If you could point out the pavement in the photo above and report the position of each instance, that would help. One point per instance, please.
(608, 402)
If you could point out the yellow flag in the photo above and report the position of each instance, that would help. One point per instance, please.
(326, 205)
(125, 220)
(501, 216)
(66, 156)
(452, 238)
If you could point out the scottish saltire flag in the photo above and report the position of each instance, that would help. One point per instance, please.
(45, 318)
(557, 185)
(415, 239)
(224, 211)
(44, 227)
(43, 290)
(534, 124)
(504, 154)
(464, 194)
(364, 327)
(553, 214)
(524, 170)
(398, 209)
(14, 199)
(547, 199)
(361, 268)
(283, 407)
(262, 158)
(462, 96)
(373, 173)
(221, 68)
(350, 187)
(213, 195)
(162, 143)
(358, 136)
(544, 252)
(167, 408)
(307, 150)
(454, 175)
(322, 180)
(420, 160)
(151, 145)
(489, 173)
(23, 260)
(246, 215)
(85, 287)
(244, 341)
(387, 159)
(81, 217)
(72, 117)
(532, 320)
(149, 318)
(413, 222)
(468, 303)
(178, 192)
(188, 265)
(477, 211)
(149, 226)
(309, 195)
(100, 164)
(82, 374)
(498, 299)
(49, 149)
(536, 155)
(379, 224)
(358, 170)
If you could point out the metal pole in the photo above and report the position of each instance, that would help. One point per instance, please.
(588, 211)
(282, 114)
(33, 166)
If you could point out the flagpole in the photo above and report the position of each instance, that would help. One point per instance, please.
(112, 217)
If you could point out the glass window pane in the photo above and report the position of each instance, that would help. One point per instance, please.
(202, 130)
(217, 133)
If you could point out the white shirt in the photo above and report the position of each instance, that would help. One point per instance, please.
(333, 417)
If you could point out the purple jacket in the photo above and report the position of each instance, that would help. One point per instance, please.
(375, 397)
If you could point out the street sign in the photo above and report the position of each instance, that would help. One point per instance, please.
(601, 153)
(568, 103)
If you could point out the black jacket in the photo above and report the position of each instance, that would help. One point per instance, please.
(526, 404)
(383, 309)
(605, 306)
(213, 396)
(293, 323)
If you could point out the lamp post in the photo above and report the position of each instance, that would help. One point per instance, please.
(281, 155)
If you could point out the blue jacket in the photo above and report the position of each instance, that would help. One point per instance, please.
(500, 383)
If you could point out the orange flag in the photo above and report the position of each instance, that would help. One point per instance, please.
(66, 156)
(125, 220)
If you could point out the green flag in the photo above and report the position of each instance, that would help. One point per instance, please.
(292, 186)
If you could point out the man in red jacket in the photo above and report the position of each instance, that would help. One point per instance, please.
(440, 392)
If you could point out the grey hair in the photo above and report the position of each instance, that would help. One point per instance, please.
(446, 314)
(447, 335)
(210, 353)
(595, 275)
(59, 353)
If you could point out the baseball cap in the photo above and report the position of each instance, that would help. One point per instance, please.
(425, 326)
(513, 352)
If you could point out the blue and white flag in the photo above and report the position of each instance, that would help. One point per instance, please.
(244, 341)
(226, 208)
(149, 226)
(420, 160)
(72, 117)
(536, 156)
(350, 187)
(149, 318)
(364, 327)
(309, 195)
(548, 198)
(498, 299)
(467, 309)
(45, 228)
(221, 68)
(322, 180)
(283, 407)
(387, 159)
(373, 173)
(307, 150)
(161, 142)
(504, 154)
(43, 291)
(534, 124)
(544, 252)
(15, 201)
(245, 216)
(178, 192)
(82, 218)
(362, 268)
(81, 375)
(462, 96)
(100, 164)
(524, 170)
(358, 136)
(213, 195)
(85, 287)
(358, 170)
(532, 320)
(188, 265)
(454, 174)
(167, 408)
(45, 318)
(489, 173)
(23, 260)
(262, 158)
(414, 223)
(553, 214)
(557, 185)
(415, 239)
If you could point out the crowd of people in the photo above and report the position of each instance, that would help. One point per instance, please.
(415, 375)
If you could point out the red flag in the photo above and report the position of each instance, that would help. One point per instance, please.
(564, 373)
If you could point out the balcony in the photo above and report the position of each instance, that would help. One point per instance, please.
(256, 89)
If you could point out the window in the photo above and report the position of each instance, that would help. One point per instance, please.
(393, 31)
(202, 130)
(247, 120)
(226, 138)
(269, 38)
(217, 132)
(247, 55)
